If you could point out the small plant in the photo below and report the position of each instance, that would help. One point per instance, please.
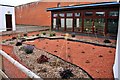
(110, 51)
(18, 36)
(44, 33)
(73, 35)
(18, 43)
(82, 52)
(29, 49)
(25, 34)
(51, 35)
(87, 61)
(69, 55)
(42, 59)
(68, 47)
(54, 34)
(55, 51)
(13, 38)
(11, 42)
(107, 41)
(37, 34)
(4, 41)
(100, 56)
(66, 74)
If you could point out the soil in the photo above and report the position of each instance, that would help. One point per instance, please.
(96, 60)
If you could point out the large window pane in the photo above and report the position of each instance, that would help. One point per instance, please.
(87, 25)
(88, 13)
(62, 24)
(55, 15)
(77, 14)
(61, 14)
(78, 23)
(69, 22)
(100, 13)
(99, 25)
(69, 14)
(113, 13)
(112, 26)
(54, 23)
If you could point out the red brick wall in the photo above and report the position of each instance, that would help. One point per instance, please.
(36, 14)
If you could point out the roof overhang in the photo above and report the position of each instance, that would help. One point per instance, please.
(83, 6)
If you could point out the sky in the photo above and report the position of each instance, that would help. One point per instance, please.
(16, 2)
(19, 2)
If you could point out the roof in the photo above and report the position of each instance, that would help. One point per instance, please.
(83, 6)
(6, 5)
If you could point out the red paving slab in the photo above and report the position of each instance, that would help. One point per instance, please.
(8, 67)
(80, 54)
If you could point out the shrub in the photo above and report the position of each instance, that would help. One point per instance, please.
(42, 59)
(66, 74)
(37, 34)
(107, 41)
(54, 34)
(11, 42)
(44, 33)
(13, 38)
(25, 34)
(18, 43)
(73, 35)
(3, 41)
(28, 49)
(51, 34)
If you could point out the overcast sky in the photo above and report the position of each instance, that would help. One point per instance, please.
(19, 2)
(16, 2)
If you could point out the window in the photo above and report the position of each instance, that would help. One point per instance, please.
(55, 15)
(99, 25)
(69, 14)
(112, 26)
(100, 13)
(88, 25)
(77, 14)
(61, 14)
(88, 13)
(113, 13)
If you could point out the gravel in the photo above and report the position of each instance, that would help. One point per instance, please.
(49, 69)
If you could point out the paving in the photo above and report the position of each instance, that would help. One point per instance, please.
(25, 29)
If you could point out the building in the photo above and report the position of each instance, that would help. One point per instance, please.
(35, 13)
(100, 18)
(7, 18)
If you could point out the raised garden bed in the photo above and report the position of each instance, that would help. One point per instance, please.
(51, 68)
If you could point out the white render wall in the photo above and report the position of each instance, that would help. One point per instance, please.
(116, 67)
(3, 11)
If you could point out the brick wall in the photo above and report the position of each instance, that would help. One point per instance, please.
(36, 14)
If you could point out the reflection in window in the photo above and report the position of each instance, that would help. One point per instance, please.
(113, 13)
(69, 14)
(69, 22)
(77, 14)
(113, 26)
(100, 13)
(99, 25)
(55, 15)
(61, 14)
(88, 25)
(88, 13)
